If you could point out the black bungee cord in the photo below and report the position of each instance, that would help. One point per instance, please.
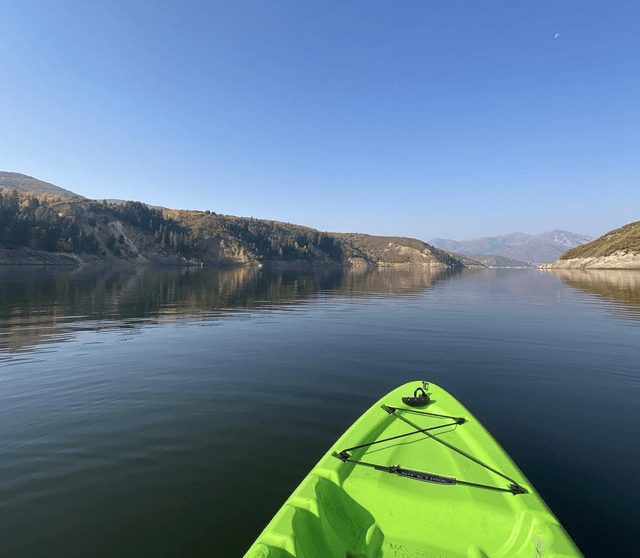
(514, 487)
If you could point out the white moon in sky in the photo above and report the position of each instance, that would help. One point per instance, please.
(556, 35)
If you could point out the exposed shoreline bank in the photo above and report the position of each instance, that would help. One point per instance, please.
(41, 258)
(618, 260)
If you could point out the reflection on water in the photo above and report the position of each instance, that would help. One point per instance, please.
(622, 287)
(39, 305)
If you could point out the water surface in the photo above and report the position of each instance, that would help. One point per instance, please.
(170, 412)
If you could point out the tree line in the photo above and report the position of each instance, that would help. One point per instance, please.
(27, 221)
(287, 242)
(50, 224)
(36, 223)
(166, 232)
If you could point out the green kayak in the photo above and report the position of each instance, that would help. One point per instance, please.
(416, 476)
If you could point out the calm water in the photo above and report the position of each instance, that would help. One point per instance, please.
(170, 412)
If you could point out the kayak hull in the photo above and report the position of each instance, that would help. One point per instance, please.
(414, 485)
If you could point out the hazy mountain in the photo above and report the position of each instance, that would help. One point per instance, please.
(24, 183)
(540, 248)
(493, 260)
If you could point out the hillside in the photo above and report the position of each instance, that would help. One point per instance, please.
(541, 248)
(618, 249)
(40, 228)
(387, 251)
(467, 260)
(24, 183)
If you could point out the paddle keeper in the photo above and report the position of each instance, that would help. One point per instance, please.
(419, 399)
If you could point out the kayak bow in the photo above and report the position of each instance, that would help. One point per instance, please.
(362, 499)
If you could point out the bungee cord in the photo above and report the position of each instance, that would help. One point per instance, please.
(344, 455)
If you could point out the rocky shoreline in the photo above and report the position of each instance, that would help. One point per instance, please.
(38, 257)
(26, 257)
(619, 260)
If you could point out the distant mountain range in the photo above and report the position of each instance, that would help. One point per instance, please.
(493, 260)
(534, 249)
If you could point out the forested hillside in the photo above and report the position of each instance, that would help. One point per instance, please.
(134, 231)
(50, 223)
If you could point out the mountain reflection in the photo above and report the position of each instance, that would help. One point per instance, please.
(40, 304)
(620, 286)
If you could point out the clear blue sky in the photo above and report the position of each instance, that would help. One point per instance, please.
(426, 118)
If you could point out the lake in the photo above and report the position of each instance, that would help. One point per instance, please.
(170, 412)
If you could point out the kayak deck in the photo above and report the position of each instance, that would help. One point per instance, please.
(402, 491)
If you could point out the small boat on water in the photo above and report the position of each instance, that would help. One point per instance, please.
(416, 476)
